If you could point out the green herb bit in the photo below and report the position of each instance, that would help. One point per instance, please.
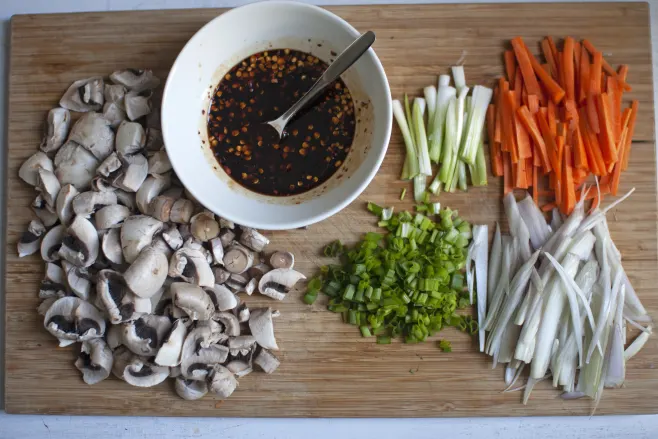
(445, 346)
(403, 193)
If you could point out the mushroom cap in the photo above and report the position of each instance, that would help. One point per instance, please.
(151, 188)
(71, 318)
(88, 202)
(191, 265)
(203, 226)
(134, 172)
(80, 246)
(76, 280)
(172, 346)
(190, 389)
(136, 233)
(147, 273)
(145, 335)
(172, 237)
(75, 165)
(114, 113)
(193, 300)
(159, 162)
(28, 170)
(130, 138)
(137, 104)
(95, 361)
(111, 246)
(239, 368)
(111, 216)
(114, 93)
(222, 381)
(196, 365)
(84, 95)
(267, 361)
(141, 373)
(48, 185)
(253, 239)
(226, 236)
(44, 212)
(95, 134)
(222, 297)
(64, 203)
(116, 298)
(57, 128)
(278, 282)
(230, 323)
(135, 79)
(181, 211)
(30, 241)
(51, 243)
(262, 328)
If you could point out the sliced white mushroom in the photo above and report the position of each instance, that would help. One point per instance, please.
(114, 114)
(95, 361)
(28, 172)
(253, 239)
(110, 167)
(147, 273)
(145, 335)
(192, 266)
(94, 133)
(160, 207)
(151, 188)
(242, 312)
(262, 328)
(229, 322)
(127, 199)
(53, 280)
(159, 162)
(190, 390)
(57, 128)
(172, 237)
(203, 226)
(154, 140)
(267, 361)
(130, 138)
(174, 372)
(200, 353)
(174, 192)
(86, 203)
(75, 165)
(45, 305)
(74, 319)
(193, 300)
(30, 241)
(141, 373)
(114, 93)
(222, 381)
(238, 259)
(135, 79)
(226, 224)
(111, 246)
(52, 242)
(48, 185)
(63, 203)
(172, 346)
(241, 345)
(161, 245)
(80, 246)
(134, 172)
(112, 216)
(226, 235)
(136, 233)
(251, 286)
(239, 368)
(137, 104)
(114, 336)
(181, 211)
(277, 283)
(77, 280)
(221, 275)
(282, 260)
(222, 297)
(84, 95)
(44, 212)
(119, 302)
(122, 358)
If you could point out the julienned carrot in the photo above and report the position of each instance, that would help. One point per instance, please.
(507, 173)
(523, 58)
(569, 198)
(568, 68)
(608, 68)
(529, 167)
(521, 180)
(494, 152)
(616, 172)
(615, 111)
(533, 104)
(595, 73)
(522, 139)
(551, 118)
(510, 65)
(510, 110)
(594, 157)
(507, 131)
(579, 154)
(556, 93)
(606, 136)
(499, 115)
(584, 75)
(549, 140)
(548, 55)
(530, 125)
(629, 134)
(535, 184)
(592, 114)
(517, 87)
(576, 66)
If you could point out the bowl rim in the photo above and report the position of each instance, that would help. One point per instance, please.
(257, 222)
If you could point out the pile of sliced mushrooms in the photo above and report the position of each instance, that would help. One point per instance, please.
(137, 271)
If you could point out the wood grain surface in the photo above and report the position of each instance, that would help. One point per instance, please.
(327, 369)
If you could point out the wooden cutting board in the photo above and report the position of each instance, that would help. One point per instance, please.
(327, 369)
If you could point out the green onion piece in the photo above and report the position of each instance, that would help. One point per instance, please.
(352, 317)
(377, 210)
(445, 346)
(365, 331)
(403, 193)
(383, 339)
(310, 298)
(348, 294)
(314, 284)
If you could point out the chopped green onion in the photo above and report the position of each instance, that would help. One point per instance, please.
(309, 298)
(403, 193)
(365, 331)
(410, 168)
(383, 339)
(445, 346)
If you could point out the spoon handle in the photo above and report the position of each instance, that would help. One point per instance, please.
(342, 63)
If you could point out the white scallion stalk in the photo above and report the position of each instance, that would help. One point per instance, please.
(435, 186)
(430, 98)
(595, 218)
(461, 106)
(420, 183)
(637, 344)
(444, 95)
(525, 348)
(445, 174)
(604, 312)
(387, 213)
(502, 287)
(616, 371)
(517, 227)
(424, 165)
(434, 208)
(480, 255)
(410, 169)
(494, 263)
(470, 142)
(556, 219)
(534, 220)
(459, 77)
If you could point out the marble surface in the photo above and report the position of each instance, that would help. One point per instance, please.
(35, 426)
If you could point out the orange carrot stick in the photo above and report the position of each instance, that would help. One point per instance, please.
(592, 113)
(523, 58)
(549, 140)
(615, 112)
(495, 156)
(616, 172)
(579, 155)
(507, 131)
(548, 207)
(552, 118)
(548, 55)
(569, 198)
(594, 157)
(518, 87)
(507, 174)
(530, 125)
(595, 73)
(584, 76)
(529, 167)
(521, 180)
(606, 136)
(577, 51)
(629, 134)
(535, 184)
(608, 68)
(510, 109)
(533, 104)
(568, 68)
(552, 87)
(510, 65)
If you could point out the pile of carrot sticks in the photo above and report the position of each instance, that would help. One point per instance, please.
(562, 119)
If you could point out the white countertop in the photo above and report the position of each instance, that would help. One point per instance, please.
(73, 427)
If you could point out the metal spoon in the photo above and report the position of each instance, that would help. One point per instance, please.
(342, 63)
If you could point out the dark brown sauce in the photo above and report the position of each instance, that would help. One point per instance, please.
(260, 88)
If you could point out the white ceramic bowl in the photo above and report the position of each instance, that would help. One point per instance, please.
(212, 52)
